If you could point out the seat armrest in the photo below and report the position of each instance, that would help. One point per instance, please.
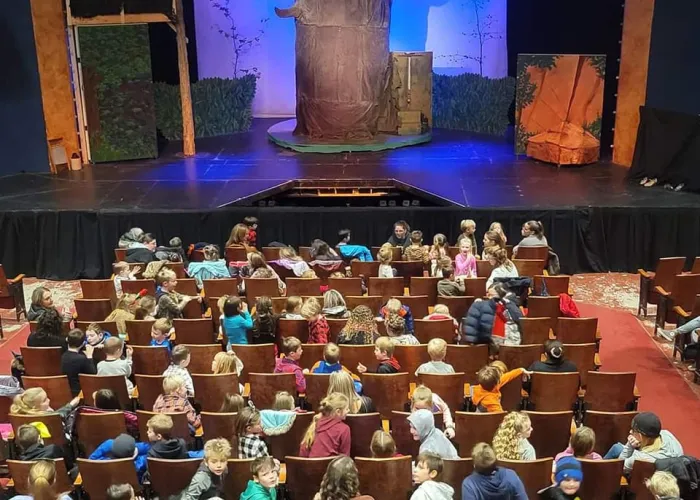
(16, 279)
(644, 273)
(661, 291)
(596, 361)
(681, 312)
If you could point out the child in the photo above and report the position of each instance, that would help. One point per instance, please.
(663, 485)
(309, 275)
(396, 330)
(468, 228)
(291, 348)
(581, 445)
(437, 252)
(416, 251)
(395, 306)
(208, 482)
(163, 445)
(331, 363)
(427, 475)
(264, 322)
(567, 480)
(248, 431)
(465, 262)
(497, 228)
(383, 445)
(384, 352)
(237, 321)
(384, 257)
(174, 399)
(146, 309)
(437, 350)
(179, 361)
(489, 480)
(441, 311)
(121, 492)
(96, 336)
(447, 286)
(328, 434)
(233, 403)
(32, 447)
(74, 362)
(511, 438)
(263, 486)
(123, 446)
(280, 419)
(424, 399)
(318, 325)
(487, 395)
(252, 224)
(169, 302)
(159, 334)
(341, 481)
(293, 308)
(113, 363)
(423, 429)
(123, 272)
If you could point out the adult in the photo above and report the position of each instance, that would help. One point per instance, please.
(143, 252)
(334, 305)
(533, 236)
(342, 382)
(400, 236)
(212, 267)
(42, 483)
(492, 239)
(489, 481)
(341, 481)
(555, 362)
(502, 266)
(320, 250)
(478, 325)
(42, 300)
(361, 328)
(132, 237)
(49, 331)
(239, 237)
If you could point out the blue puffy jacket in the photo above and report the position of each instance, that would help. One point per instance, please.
(478, 323)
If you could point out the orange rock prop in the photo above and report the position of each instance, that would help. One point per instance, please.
(570, 146)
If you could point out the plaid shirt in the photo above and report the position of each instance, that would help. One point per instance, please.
(179, 371)
(251, 446)
(172, 403)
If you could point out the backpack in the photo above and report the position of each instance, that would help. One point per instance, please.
(567, 306)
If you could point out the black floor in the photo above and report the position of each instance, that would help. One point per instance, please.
(467, 169)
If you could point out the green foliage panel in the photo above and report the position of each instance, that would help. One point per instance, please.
(472, 102)
(220, 106)
(116, 67)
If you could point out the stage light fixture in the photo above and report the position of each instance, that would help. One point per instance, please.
(262, 203)
(382, 203)
(415, 203)
(406, 203)
(392, 203)
(271, 203)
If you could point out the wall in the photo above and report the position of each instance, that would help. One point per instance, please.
(22, 136)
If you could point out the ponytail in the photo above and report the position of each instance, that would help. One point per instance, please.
(42, 479)
(334, 401)
(536, 228)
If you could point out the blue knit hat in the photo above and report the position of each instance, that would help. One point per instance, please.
(568, 468)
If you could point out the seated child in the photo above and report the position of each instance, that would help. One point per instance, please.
(395, 306)
(169, 302)
(293, 308)
(328, 435)
(511, 438)
(663, 485)
(441, 311)
(437, 350)
(424, 399)
(427, 474)
(567, 480)
(74, 361)
(423, 429)
(122, 272)
(416, 250)
(236, 321)
(264, 322)
(383, 445)
(465, 262)
(289, 363)
(208, 482)
(174, 399)
(318, 325)
(384, 352)
(146, 309)
(263, 486)
(31, 444)
(396, 330)
(160, 332)
(581, 445)
(448, 286)
(123, 446)
(113, 363)
(487, 395)
(233, 403)
(121, 492)
(331, 363)
(96, 336)
(163, 445)
(179, 361)
(384, 256)
(248, 432)
(280, 418)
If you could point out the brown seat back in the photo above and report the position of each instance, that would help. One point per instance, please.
(520, 356)
(410, 357)
(56, 388)
(170, 477)
(194, 331)
(583, 356)
(201, 357)
(258, 358)
(95, 428)
(316, 388)
(454, 470)
(467, 359)
(99, 289)
(695, 269)
(271, 253)
(449, 386)
(535, 474)
(239, 474)
(543, 307)
(362, 427)
(424, 286)
(298, 328)
(483, 268)
(472, 428)
(553, 391)
(93, 309)
(528, 267)
(374, 472)
(407, 269)
(178, 268)
(335, 326)
(116, 383)
(19, 472)
(150, 387)
(555, 284)
(235, 253)
(42, 361)
(210, 390)
(534, 330)
(607, 474)
(610, 391)
(139, 332)
(475, 287)
(303, 286)
(458, 306)
(52, 421)
(365, 269)
(135, 286)
(150, 360)
(346, 286)
(418, 304)
(289, 443)
(305, 253)
(304, 476)
(667, 268)
(428, 329)
(215, 313)
(641, 471)
(120, 254)
(388, 392)
(577, 330)
(260, 287)
(313, 353)
(386, 287)
(187, 286)
(264, 386)
(99, 475)
(374, 302)
(609, 428)
(351, 355)
(685, 288)
(219, 425)
(540, 253)
(550, 431)
(181, 428)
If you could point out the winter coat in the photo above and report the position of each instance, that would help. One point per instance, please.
(501, 484)
(431, 439)
(433, 490)
(140, 255)
(686, 470)
(478, 324)
(204, 485)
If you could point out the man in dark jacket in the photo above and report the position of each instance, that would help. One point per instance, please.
(477, 325)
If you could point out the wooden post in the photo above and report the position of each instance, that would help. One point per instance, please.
(185, 96)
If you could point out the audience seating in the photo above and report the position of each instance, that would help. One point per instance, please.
(388, 392)
(135, 286)
(304, 476)
(362, 427)
(95, 428)
(528, 267)
(216, 313)
(540, 253)
(264, 386)
(150, 360)
(467, 359)
(695, 269)
(209, 389)
(303, 286)
(520, 356)
(666, 270)
(220, 287)
(170, 477)
(374, 302)
(346, 286)
(99, 289)
(65, 326)
(305, 253)
(271, 253)
(681, 341)
(641, 471)
(418, 304)
(181, 428)
(56, 388)
(178, 268)
(99, 475)
(298, 328)
(386, 287)
(606, 474)
(42, 361)
(120, 254)
(149, 388)
(260, 287)
(52, 421)
(555, 284)
(12, 293)
(544, 307)
(335, 326)
(535, 474)
(553, 391)
(472, 428)
(288, 444)
(5, 404)
(584, 357)
(365, 269)
(458, 306)
(534, 330)
(685, 288)
(610, 391)
(194, 331)
(577, 330)
(410, 357)
(256, 358)
(235, 254)
(475, 287)
(19, 472)
(216, 425)
(351, 355)
(396, 253)
(401, 432)
(550, 431)
(92, 383)
(385, 478)
(454, 470)
(93, 309)
(449, 386)
(201, 357)
(427, 329)
(407, 269)
(483, 268)
(312, 353)
(139, 332)
(512, 395)
(609, 427)
(424, 286)
(239, 474)
(316, 388)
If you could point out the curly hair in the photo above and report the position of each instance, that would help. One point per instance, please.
(506, 441)
(395, 325)
(341, 480)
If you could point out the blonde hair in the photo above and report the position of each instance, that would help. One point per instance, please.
(500, 255)
(309, 274)
(423, 396)
(506, 441)
(663, 484)
(341, 382)
(283, 401)
(385, 344)
(222, 302)
(331, 353)
(217, 448)
(162, 424)
(441, 309)
(28, 402)
(582, 441)
(163, 325)
(127, 302)
(483, 458)
(289, 253)
(466, 223)
(393, 305)
(311, 308)
(382, 445)
(120, 266)
(294, 302)
(113, 346)
(42, 480)
(384, 255)
(165, 275)
(172, 383)
(333, 298)
(227, 362)
(330, 404)
(437, 349)
(500, 366)
(233, 403)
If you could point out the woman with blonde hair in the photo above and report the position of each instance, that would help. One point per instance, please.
(328, 434)
(510, 441)
(35, 401)
(341, 382)
(42, 483)
(361, 328)
(334, 305)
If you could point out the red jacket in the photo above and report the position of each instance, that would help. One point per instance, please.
(332, 438)
(287, 365)
(319, 330)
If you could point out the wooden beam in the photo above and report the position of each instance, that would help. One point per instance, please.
(185, 96)
(118, 19)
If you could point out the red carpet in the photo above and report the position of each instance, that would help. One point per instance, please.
(626, 346)
(12, 344)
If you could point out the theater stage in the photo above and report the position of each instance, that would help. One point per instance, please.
(66, 226)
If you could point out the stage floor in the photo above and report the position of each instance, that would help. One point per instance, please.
(469, 170)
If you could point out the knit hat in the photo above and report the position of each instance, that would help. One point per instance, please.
(647, 424)
(568, 468)
(123, 446)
